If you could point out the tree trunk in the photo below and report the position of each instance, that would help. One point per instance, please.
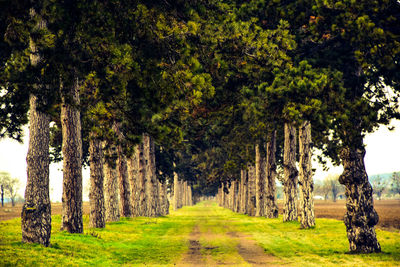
(260, 182)
(361, 217)
(123, 179)
(175, 201)
(191, 196)
(306, 177)
(164, 205)
(2, 195)
(142, 206)
(239, 194)
(133, 174)
(96, 194)
(36, 212)
(154, 179)
(72, 158)
(151, 179)
(290, 174)
(111, 190)
(245, 192)
(271, 208)
(251, 185)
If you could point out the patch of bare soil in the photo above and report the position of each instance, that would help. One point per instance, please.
(251, 252)
(193, 257)
(388, 211)
(8, 212)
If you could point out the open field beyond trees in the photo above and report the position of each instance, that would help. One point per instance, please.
(388, 210)
(204, 234)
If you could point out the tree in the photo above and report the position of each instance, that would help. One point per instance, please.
(379, 185)
(11, 186)
(4, 179)
(306, 183)
(334, 186)
(395, 183)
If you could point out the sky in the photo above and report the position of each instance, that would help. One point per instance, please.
(382, 156)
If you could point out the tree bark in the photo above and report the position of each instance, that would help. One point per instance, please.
(164, 205)
(306, 183)
(125, 204)
(142, 206)
(290, 174)
(36, 211)
(151, 179)
(360, 218)
(245, 195)
(133, 174)
(251, 191)
(271, 208)
(72, 158)
(260, 183)
(96, 194)
(111, 190)
(176, 192)
(2, 195)
(239, 194)
(190, 194)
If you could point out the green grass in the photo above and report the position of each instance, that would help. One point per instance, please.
(163, 241)
(132, 241)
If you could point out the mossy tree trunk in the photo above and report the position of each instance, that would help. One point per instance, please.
(305, 177)
(290, 174)
(72, 158)
(360, 218)
(96, 194)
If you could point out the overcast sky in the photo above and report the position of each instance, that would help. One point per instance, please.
(383, 156)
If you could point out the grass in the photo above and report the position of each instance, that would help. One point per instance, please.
(138, 241)
(163, 241)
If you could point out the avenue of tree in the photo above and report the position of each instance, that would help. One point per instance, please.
(197, 98)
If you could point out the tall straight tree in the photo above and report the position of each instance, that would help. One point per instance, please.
(290, 174)
(271, 208)
(36, 211)
(306, 183)
(260, 182)
(96, 194)
(123, 179)
(111, 186)
(72, 157)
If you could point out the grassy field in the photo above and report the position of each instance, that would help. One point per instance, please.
(219, 232)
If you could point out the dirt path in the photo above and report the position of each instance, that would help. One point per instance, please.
(193, 257)
(251, 252)
(211, 243)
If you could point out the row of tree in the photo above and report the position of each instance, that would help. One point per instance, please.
(254, 193)
(212, 82)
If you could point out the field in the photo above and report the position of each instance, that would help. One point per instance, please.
(204, 235)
